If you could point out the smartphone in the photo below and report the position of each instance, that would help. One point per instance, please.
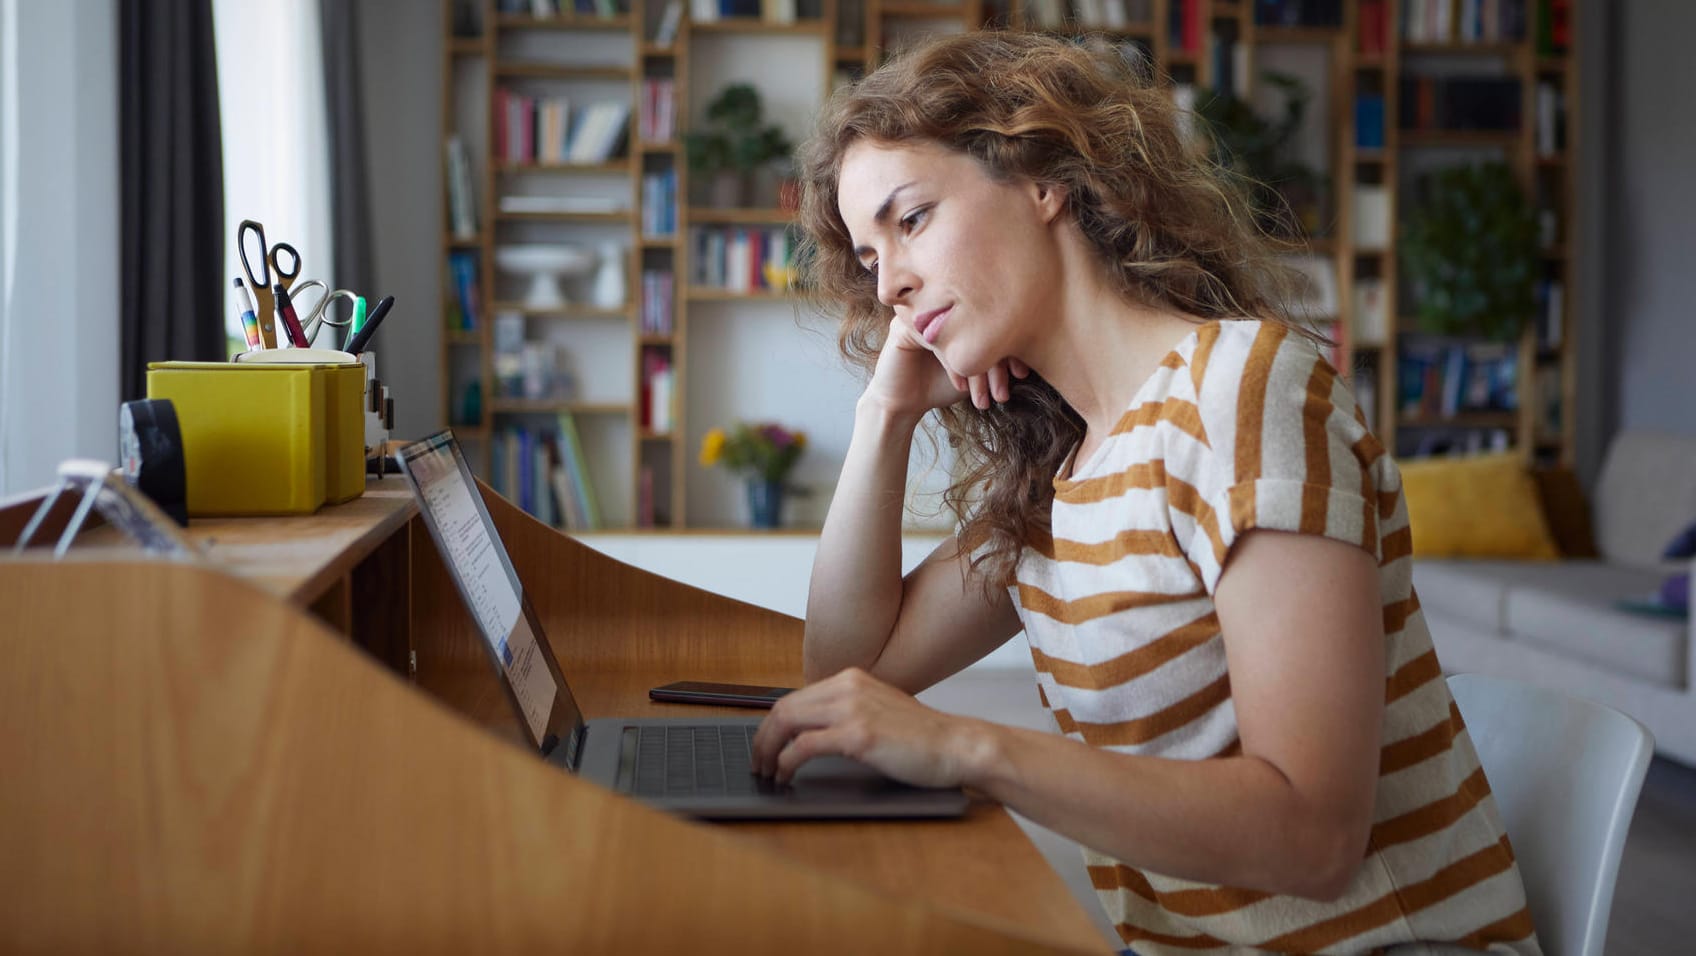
(731, 695)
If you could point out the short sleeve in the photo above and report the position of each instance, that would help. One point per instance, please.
(1284, 448)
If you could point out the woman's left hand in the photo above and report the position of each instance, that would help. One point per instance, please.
(856, 715)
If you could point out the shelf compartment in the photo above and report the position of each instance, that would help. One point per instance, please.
(741, 217)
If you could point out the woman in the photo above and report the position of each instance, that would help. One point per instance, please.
(1164, 485)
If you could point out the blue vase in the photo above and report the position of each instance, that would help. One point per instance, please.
(765, 502)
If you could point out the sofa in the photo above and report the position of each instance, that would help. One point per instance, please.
(1561, 623)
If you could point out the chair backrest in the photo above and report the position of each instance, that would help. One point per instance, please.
(1565, 773)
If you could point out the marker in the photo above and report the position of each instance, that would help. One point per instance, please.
(291, 322)
(359, 317)
(249, 320)
(358, 342)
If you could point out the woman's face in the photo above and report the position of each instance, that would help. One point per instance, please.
(970, 263)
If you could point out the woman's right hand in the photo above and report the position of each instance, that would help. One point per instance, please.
(909, 380)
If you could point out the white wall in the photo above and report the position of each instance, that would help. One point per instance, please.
(59, 295)
(769, 571)
(1650, 309)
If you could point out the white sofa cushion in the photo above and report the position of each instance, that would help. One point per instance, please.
(1567, 607)
(1474, 591)
(1573, 613)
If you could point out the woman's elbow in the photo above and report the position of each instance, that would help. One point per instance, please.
(1330, 862)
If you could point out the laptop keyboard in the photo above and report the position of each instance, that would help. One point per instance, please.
(692, 761)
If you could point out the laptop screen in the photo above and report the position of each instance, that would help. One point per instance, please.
(465, 535)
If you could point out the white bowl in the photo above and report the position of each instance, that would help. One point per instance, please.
(546, 265)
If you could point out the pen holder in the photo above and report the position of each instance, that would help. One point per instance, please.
(266, 437)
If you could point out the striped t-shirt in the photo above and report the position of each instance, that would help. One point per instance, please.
(1245, 426)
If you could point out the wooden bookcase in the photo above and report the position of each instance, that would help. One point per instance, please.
(851, 36)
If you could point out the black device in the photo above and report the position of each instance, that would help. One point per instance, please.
(732, 695)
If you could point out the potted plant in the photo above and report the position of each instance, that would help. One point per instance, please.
(1259, 149)
(764, 453)
(734, 145)
(1469, 250)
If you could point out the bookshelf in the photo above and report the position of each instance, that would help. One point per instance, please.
(634, 439)
(700, 323)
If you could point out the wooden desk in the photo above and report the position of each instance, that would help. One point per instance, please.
(196, 764)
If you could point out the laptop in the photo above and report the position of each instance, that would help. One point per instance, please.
(698, 767)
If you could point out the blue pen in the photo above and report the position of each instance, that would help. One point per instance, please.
(249, 320)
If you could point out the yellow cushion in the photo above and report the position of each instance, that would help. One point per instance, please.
(1483, 506)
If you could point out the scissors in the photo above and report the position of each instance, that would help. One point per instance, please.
(321, 313)
(270, 271)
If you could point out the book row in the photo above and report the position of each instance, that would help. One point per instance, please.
(542, 469)
(549, 129)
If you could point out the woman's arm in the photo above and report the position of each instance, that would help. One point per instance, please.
(1303, 630)
(861, 612)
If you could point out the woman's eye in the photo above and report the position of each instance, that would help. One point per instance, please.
(915, 219)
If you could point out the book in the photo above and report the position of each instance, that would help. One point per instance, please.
(577, 467)
(1371, 312)
(462, 200)
(1371, 216)
(666, 34)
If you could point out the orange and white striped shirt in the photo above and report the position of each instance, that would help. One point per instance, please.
(1245, 426)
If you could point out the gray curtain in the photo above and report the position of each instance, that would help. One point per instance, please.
(171, 184)
(350, 194)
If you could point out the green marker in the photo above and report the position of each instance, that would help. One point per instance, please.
(358, 314)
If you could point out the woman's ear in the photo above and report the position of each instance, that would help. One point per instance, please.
(1050, 200)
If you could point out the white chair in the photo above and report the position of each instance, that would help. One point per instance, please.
(1565, 773)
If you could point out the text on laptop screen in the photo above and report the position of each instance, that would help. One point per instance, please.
(485, 576)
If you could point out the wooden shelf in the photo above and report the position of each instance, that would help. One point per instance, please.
(650, 436)
(569, 311)
(696, 293)
(758, 27)
(1278, 34)
(917, 9)
(462, 338)
(454, 242)
(850, 54)
(612, 217)
(658, 242)
(1462, 420)
(1551, 64)
(1504, 139)
(616, 167)
(1462, 49)
(742, 217)
(657, 50)
(520, 22)
(1363, 154)
(467, 46)
(559, 71)
(519, 406)
(659, 147)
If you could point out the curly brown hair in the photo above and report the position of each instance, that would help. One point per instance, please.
(1172, 228)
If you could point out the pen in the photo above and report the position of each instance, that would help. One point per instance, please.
(291, 322)
(249, 320)
(359, 316)
(358, 342)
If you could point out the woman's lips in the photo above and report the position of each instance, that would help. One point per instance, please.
(929, 325)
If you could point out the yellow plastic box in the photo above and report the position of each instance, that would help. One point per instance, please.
(266, 438)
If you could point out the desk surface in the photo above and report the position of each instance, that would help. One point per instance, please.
(616, 637)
